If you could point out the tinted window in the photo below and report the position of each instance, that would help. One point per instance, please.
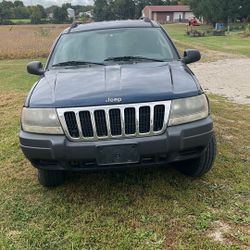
(96, 46)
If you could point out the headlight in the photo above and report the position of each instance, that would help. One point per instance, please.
(43, 121)
(188, 110)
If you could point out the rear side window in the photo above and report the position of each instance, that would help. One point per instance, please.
(96, 46)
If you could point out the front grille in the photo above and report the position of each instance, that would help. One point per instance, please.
(114, 121)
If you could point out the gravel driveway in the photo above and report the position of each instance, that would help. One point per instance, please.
(229, 77)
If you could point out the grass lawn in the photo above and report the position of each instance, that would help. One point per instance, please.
(139, 209)
(233, 43)
(21, 21)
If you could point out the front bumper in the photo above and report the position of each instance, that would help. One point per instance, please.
(56, 152)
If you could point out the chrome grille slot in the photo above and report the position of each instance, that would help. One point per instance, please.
(130, 121)
(85, 119)
(144, 119)
(100, 121)
(114, 121)
(159, 111)
(70, 118)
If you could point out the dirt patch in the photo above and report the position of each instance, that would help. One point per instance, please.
(220, 228)
(213, 56)
(229, 78)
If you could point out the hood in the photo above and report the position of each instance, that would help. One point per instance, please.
(104, 85)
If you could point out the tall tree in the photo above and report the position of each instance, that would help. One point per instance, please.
(36, 15)
(6, 12)
(21, 13)
(18, 4)
(102, 10)
(60, 15)
(123, 9)
(220, 10)
(244, 11)
(7, 4)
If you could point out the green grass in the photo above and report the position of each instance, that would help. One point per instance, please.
(20, 21)
(233, 43)
(140, 209)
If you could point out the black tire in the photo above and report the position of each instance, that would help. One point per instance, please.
(200, 166)
(50, 178)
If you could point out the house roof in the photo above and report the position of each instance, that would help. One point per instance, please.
(169, 8)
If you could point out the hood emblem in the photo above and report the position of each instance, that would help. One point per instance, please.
(113, 100)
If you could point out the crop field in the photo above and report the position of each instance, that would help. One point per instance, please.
(155, 208)
(27, 41)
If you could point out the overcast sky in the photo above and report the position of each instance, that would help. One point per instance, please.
(47, 3)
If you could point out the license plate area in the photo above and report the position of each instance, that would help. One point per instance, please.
(120, 154)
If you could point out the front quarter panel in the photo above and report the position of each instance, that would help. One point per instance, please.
(27, 100)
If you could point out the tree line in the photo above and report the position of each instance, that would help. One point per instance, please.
(221, 10)
(37, 14)
(211, 10)
(125, 9)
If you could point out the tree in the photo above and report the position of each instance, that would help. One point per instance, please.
(21, 13)
(220, 10)
(18, 4)
(102, 10)
(184, 2)
(60, 15)
(7, 5)
(244, 11)
(36, 15)
(123, 9)
(6, 12)
(42, 10)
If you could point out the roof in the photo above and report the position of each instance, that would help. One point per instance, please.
(112, 25)
(169, 8)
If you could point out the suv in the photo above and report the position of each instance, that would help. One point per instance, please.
(116, 94)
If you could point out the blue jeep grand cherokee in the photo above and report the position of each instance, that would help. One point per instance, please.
(116, 94)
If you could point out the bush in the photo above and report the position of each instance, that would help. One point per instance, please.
(247, 30)
(6, 22)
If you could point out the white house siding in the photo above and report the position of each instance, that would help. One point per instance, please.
(177, 16)
(189, 15)
(183, 15)
(155, 16)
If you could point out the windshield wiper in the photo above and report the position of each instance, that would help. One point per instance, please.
(76, 63)
(131, 58)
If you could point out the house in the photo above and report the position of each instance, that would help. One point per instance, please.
(168, 13)
(71, 13)
(88, 14)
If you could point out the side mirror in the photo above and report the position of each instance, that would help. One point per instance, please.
(35, 68)
(191, 55)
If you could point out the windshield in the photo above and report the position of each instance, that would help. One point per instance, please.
(103, 45)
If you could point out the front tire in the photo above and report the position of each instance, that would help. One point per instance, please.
(200, 166)
(50, 178)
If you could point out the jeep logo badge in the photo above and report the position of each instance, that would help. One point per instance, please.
(114, 100)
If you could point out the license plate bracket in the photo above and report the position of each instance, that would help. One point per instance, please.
(120, 154)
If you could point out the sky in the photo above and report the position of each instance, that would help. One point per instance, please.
(47, 3)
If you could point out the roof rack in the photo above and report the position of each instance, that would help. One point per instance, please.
(74, 25)
(147, 20)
